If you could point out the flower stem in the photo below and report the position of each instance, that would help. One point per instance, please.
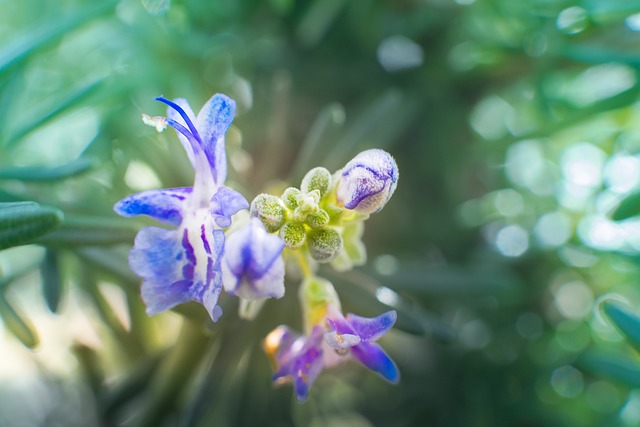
(303, 263)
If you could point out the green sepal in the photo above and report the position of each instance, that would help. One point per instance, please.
(316, 294)
(354, 252)
(24, 222)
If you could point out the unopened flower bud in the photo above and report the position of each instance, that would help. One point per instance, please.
(293, 234)
(290, 197)
(318, 219)
(324, 244)
(368, 181)
(316, 179)
(270, 210)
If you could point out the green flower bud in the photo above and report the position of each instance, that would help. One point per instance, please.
(293, 234)
(307, 204)
(290, 197)
(318, 219)
(316, 179)
(324, 244)
(270, 210)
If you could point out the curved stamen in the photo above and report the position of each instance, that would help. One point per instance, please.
(195, 144)
(184, 115)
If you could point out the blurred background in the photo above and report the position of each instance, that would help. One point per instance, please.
(510, 249)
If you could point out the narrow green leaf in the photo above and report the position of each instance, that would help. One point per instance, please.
(59, 107)
(626, 322)
(617, 367)
(90, 231)
(628, 208)
(19, 327)
(131, 386)
(325, 127)
(317, 21)
(49, 31)
(23, 222)
(34, 174)
(51, 280)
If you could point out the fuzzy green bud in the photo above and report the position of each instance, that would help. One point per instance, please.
(316, 179)
(270, 210)
(307, 204)
(318, 219)
(293, 234)
(290, 197)
(324, 244)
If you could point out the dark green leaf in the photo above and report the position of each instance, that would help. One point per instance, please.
(51, 280)
(73, 168)
(24, 222)
(628, 208)
(91, 231)
(19, 327)
(60, 106)
(626, 322)
(617, 367)
(43, 34)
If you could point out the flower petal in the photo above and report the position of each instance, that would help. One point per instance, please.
(212, 123)
(158, 257)
(176, 267)
(252, 267)
(371, 329)
(174, 115)
(165, 205)
(224, 204)
(373, 357)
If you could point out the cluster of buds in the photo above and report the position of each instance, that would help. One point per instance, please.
(324, 216)
(211, 245)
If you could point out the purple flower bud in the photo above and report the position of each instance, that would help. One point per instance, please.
(368, 181)
(252, 266)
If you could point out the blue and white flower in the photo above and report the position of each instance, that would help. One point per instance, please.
(252, 266)
(368, 181)
(183, 264)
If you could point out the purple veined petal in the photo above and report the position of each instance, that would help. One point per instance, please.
(225, 203)
(158, 257)
(212, 123)
(179, 266)
(166, 205)
(174, 115)
(371, 329)
(252, 267)
(373, 357)
(299, 358)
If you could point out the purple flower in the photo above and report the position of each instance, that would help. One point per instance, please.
(357, 335)
(368, 181)
(183, 264)
(298, 358)
(301, 358)
(252, 266)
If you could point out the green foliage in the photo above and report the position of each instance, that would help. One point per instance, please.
(514, 125)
